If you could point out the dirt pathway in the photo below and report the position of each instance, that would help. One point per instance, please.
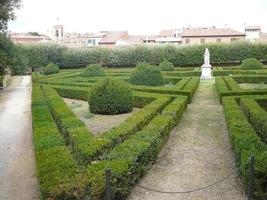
(17, 171)
(197, 154)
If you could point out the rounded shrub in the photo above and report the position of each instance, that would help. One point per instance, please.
(251, 63)
(145, 74)
(111, 97)
(166, 66)
(93, 70)
(51, 68)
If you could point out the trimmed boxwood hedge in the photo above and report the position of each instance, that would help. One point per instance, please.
(256, 115)
(131, 159)
(246, 142)
(56, 169)
(111, 97)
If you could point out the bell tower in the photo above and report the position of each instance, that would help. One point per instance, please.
(58, 31)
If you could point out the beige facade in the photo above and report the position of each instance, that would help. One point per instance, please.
(210, 39)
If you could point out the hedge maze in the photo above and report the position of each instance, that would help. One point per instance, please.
(246, 117)
(71, 161)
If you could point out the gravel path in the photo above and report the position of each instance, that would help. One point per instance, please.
(95, 122)
(17, 163)
(197, 153)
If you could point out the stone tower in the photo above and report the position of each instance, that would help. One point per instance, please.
(58, 31)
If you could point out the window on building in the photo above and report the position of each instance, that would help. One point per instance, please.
(94, 42)
(89, 41)
(219, 40)
(187, 41)
(234, 39)
(57, 34)
(202, 41)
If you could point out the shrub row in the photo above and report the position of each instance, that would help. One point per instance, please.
(256, 115)
(187, 86)
(251, 79)
(73, 129)
(231, 84)
(87, 148)
(227, 72)
(227, 86)
(246, 142)
(56, 169)
(190, 55)
(120, 133)
(131, 159)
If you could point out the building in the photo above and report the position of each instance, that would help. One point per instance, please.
(22, 38)
(114, 38)
(210, 35)
(172, 36)
(254, 34)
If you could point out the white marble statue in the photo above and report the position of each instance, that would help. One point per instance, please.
(207, 57)
(206, 67)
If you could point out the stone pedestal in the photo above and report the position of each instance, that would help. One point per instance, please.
(206, 72)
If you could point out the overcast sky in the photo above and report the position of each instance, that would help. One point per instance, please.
(137, 16)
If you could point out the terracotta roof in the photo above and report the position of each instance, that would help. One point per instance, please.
(252, 27)
(210, 32)
(167, 33)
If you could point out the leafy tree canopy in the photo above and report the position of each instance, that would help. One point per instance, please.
(7, 13)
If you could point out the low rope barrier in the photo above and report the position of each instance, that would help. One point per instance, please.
(187, 191)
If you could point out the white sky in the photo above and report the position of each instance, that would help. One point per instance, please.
(137, 16)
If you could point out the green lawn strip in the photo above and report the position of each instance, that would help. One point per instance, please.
(256, 115)
(56, 169)
(131, 159)
(246, 142)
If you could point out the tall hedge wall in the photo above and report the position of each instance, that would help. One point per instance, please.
(191, 55)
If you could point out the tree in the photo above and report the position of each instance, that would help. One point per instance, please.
(7, 8)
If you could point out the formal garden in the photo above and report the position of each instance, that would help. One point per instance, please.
(144, 104)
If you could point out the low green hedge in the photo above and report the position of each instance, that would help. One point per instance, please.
(246, 142)
(231, 84)
(56, 169)
(120, 133)
(251, 79)
(131, 159)
(74, 130)
(256, 115)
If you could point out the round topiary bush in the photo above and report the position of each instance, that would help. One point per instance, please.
(251, 63)
(166, 66)
(93, 70)
(146, 74)
(51, 68)
(111, 97)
